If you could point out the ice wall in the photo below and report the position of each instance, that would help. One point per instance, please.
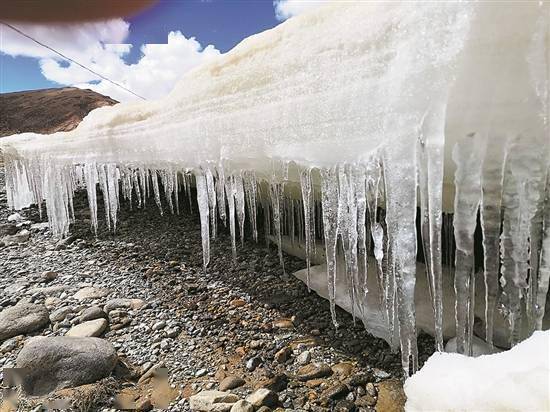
(370, 108)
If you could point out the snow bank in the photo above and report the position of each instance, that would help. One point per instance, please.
(390, 104)
(515, 380)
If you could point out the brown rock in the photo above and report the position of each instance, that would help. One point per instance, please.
(283, 323)
(391, 397)
(342, 369)
(231, 382)
(313, 371)
(283, 355)
(237, 303)
(335, 391)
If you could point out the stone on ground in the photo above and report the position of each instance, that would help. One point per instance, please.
(231, 382)
(212, 401)
(22, 319)
(91, 292)
(242, 406)
(90, 328)
(263, 397)
(92, 313)
(60, 362)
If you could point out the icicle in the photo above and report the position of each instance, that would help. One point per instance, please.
(430, 170)
(135, 184)
(251, 187)
(524, 180)
(490, 217)
(467, 157)
(176, 190)
(305, 182)
(220, 191)
(347, 228)
(400, 190)
(102, 177)
(230, 195)
(544, 266)
(210, 186)
(90, 176)
(144, 184)
(329, 197)
(202, 200)
(359, 184)
(187, 181)
(156, 190)
(276, 193)
(377, 233)
(238, 191)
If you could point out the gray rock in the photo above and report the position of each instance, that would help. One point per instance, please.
(303, 358)
(200, 372)
(7, 229)
(335, 391)
(51, 290)
(8, 345)
(20, 237)
(92, 313)
(54, 363)
(88, 329)
(253, 363)
(242, 406)
(159, 325)
(231, 382)
(15, 288)
(263, 397)
(212, 401)
(91, 293)
(60, 314)
(21, 319)
(122, 303)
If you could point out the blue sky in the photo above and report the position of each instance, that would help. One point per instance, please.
(195, 30)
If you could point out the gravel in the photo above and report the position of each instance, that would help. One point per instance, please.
(244, 319)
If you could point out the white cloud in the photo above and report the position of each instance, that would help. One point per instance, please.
(285, 9)
(100, 47)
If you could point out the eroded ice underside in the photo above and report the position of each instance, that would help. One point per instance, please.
(338, 124)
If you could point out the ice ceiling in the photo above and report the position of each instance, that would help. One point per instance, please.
(371, 109)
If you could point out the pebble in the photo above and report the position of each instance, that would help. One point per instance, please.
(242, 406)
(335, 391)
(231, 382)
(313, 371)
(159, 325)
(263, 397)
(253, 363)
(303, 358)
(90, 328)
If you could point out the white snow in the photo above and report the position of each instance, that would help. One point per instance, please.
(384, 106)
(515, 380)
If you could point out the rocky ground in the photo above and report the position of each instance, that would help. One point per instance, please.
(241, 336)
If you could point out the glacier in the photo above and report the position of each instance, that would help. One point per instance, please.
(338, 125)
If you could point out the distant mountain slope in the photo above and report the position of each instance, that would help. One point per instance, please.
(47, 111)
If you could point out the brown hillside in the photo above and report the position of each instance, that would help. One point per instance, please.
(47, 111)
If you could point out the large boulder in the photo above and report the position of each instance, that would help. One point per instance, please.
(22, 319)
(52, 363)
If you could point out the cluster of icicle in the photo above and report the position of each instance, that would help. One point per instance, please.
(358, 212)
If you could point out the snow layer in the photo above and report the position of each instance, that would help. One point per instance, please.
(379, 106)
(515, 380)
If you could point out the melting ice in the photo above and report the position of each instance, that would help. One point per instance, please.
(338, 124)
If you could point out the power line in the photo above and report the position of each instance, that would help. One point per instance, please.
(71, 60)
